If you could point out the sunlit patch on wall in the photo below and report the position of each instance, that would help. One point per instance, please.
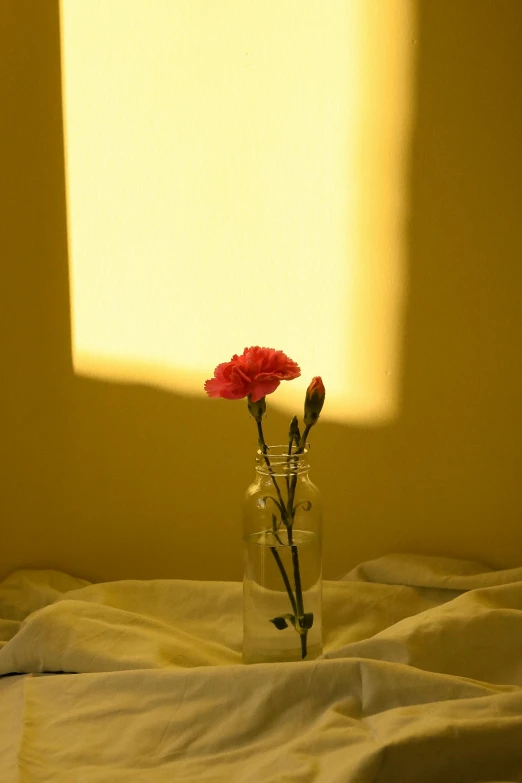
(236, 176)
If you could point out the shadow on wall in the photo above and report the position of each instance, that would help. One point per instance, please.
(107, 481)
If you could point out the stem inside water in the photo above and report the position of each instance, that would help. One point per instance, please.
(286, 581)
(269, 614)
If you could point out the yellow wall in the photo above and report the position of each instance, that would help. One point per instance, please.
(106, 480)
(224, 163)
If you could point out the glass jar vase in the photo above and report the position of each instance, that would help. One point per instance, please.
(282, 544)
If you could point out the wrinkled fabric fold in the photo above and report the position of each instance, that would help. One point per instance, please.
(421, 680)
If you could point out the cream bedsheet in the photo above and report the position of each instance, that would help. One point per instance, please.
(421, 681)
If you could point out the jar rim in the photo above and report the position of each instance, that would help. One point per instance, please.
(282, 461)
(302, 453)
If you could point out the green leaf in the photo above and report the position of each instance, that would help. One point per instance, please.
(306, 621)
(306, 504)
(280, 622)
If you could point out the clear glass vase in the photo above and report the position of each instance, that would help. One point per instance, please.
(282, 540)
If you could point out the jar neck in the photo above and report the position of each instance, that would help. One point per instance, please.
(277, 461)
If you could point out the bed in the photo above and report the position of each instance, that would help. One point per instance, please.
(420, 681)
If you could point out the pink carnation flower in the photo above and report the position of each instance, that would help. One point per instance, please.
(257, 372)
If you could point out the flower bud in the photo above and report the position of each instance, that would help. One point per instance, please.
(314, 401)
(294, 436)
(257, 409)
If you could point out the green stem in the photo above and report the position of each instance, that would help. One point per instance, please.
(276, 485)
(287, 477)
(297, 602)
(275, 528)
(286, 580)
(294, 477)
(278, 505)
(295, 552)
(298, 592)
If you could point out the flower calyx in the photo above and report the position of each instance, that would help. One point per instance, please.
(258, 408)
